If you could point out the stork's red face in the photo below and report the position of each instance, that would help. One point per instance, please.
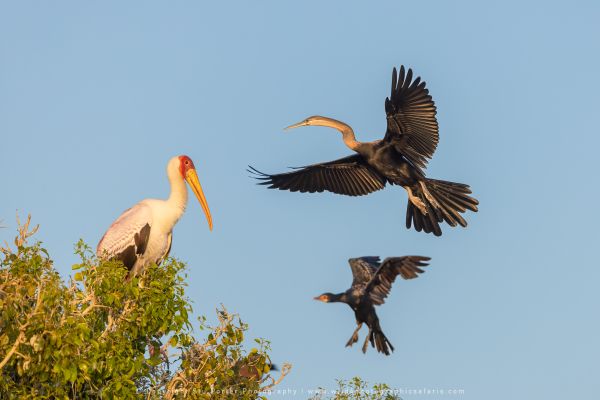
(188, 172)
(185, 164)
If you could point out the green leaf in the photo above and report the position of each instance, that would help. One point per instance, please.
(69, 352)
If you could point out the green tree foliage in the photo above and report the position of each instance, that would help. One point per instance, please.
(101, 335)
(357, 389)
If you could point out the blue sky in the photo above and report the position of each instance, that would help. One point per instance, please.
(95, 97)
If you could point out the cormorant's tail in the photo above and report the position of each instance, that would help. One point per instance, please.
(380, 342)
(439, 201)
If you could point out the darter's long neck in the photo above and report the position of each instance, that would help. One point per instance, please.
(346, 130)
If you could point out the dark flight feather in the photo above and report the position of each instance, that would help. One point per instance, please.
(363, 269)
(408, 267)
(131, 253)
(411, 118)
(350, 176)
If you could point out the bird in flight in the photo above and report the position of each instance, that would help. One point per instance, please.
(371, 284)
(142, 234)
(398, 159)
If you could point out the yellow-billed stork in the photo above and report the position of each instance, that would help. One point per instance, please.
(142, 234)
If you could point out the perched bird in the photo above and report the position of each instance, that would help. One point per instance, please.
(248, 369)
(371, 284)
(398, 159)
(142, 234)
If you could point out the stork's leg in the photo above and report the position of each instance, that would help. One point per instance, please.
(415, 200)
(354, 337)
(366, 345)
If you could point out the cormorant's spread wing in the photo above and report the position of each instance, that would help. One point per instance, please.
(350, 176)
(380, 285)
(127, 237)
(411, 121)
(363, 269)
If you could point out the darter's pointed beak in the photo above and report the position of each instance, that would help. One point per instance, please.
(192, 179)
(299, 124)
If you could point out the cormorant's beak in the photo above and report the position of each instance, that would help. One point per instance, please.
(299, 124)
(192, 179)
(319, 298)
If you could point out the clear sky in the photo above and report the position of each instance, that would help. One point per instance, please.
(95, 97)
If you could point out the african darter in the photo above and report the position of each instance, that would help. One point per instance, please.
(398, 159)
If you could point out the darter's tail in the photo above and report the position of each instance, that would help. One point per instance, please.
(434, 201)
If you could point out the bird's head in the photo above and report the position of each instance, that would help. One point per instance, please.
(185, 166)
(325, 297)
(317, 120)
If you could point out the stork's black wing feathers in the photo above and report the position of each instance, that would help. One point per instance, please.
(363, 269)
(408, 267)
(411, 118)
(130, 254)
(350, 176)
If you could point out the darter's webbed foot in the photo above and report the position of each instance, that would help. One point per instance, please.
(416, 201)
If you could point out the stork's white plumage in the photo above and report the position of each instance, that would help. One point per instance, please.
(142, 234)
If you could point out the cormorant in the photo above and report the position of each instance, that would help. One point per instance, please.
(371, 284)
